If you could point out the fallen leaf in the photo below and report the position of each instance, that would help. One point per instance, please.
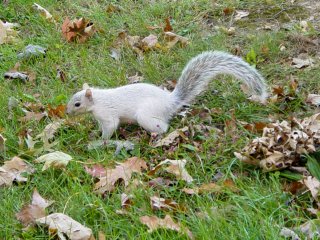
(96, 170)
(310, 228)
(172, 39)
(313, 184)
(55, 159)
(61, 75)
(58, 111)
(65, 225)
(49, 131)
(149, 42)
(79, 30)
(29, 213)
(126, 201)
(302, 61)
(176, 167)
(32, 51)
(12, 171)
(228, 11)
(2, 143)
(32, 116)
(101, 236)
(171, 138)
(115, 53)
(313, 99)
(23, 76)
(135, 79)
(154, 223)
(168, 27)
(241, 14)
(288, 233)
(227, 184)
(44, 12)
(7, 33)
(158, 203)
(123, 171)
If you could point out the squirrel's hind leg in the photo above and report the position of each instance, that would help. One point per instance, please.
(152, 124)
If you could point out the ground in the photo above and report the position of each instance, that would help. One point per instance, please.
(260, 207)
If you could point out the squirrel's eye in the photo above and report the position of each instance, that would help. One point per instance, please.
(77, 104)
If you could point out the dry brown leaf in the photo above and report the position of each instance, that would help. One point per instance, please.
(154, 223)
(64, 225)
(11, 171)
(7, 33)
(2, 143)
(61, 75)
(176, 167)
(283, 143)
(149, 42)
(168, 27)
(171, 138)
(122, 172)
(313, 184)
(49, 131)
(29, 213)
(212, 188)
(96, 170)
(32, 116)
(44, 12)
(172, 39)
(158, 203)
(126, 201)
(313, 99)
(241, 14)
(78, 30)
(135, 79)
(302, 61)
(58, 111)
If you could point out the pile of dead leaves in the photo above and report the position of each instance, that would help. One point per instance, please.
(283, 143)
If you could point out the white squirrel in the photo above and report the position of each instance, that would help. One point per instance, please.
(150, 106)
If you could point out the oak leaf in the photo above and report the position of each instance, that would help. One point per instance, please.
(11, 171)
(154, 223)
(122, 172)
(29, 213)
(64, 225)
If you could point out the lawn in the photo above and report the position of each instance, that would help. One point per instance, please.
(253, 204)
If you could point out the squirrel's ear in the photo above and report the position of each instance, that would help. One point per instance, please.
(89, 94)
(85, 86)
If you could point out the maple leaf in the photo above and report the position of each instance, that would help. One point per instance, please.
(12, 170)
(77, 30)
(154, 223)
(171, 138)
(172, 39)
(123, 171)
(32, 116)
(65, 225)
(29, 213)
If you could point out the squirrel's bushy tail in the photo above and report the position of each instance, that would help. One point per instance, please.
(201, 69)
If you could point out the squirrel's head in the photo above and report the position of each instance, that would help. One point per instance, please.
(80, 102)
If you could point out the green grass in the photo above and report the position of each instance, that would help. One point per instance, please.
(258, 211)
